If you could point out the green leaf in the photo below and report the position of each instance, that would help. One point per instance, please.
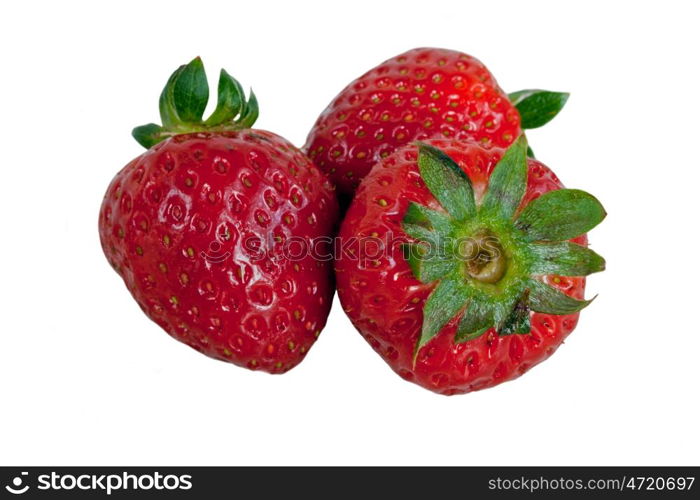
(518, 321)
(148, 135)
(184, 99)
(191, 92)
(447, 182)
(565, 259)
(250, 112)
(530, 153)
(166, 103)
(545, 299)
(560, 215)
(537, 107)
(230, 100)
(476, 320)
(426, 267)
(507, 182)
(445, 301)
(430, 219)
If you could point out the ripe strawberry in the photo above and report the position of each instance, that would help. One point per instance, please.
(419, 94)
(199, 225)
(461, 282)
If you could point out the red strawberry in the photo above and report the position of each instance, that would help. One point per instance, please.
(419, 94)
(461, 282)
(199, 229)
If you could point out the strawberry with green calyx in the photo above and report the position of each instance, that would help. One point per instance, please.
(484, 259)
(488, 276)
(198, 225)
(422, 93)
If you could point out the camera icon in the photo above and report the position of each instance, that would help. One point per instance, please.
(16, 487)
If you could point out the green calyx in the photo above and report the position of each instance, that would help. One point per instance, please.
(184, 99)
(487, 259)
(537, 108)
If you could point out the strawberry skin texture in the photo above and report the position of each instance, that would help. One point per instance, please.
(174, 224)
(385, 302)
(419, 94)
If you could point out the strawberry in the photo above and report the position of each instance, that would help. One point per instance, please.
(464, 266)
(419, 94)
(198, 227)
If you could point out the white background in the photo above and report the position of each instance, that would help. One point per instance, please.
(86, 378)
